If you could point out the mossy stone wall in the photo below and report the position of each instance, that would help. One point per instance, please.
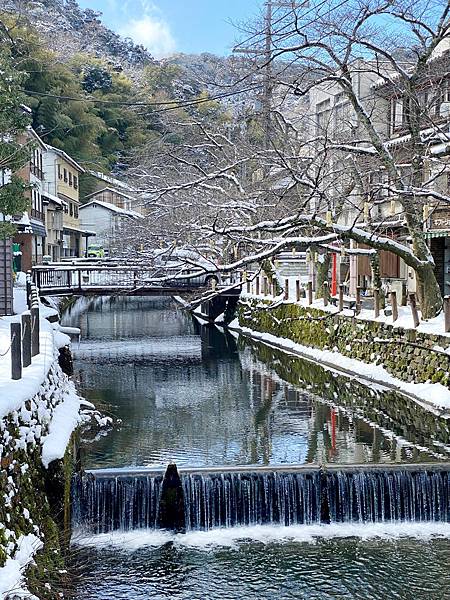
(26, 503)
(388, 409)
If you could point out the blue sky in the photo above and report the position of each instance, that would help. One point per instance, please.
(166, 26)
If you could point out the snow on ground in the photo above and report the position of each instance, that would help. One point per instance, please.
(65, 419)
(14, 393)
(405, 320)
(11, 575)
(432, 395)
(57, 409)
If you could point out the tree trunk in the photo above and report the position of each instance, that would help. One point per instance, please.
(376, 277)
(428, 287)
(322, 274)
(269, 269)
(429, 292)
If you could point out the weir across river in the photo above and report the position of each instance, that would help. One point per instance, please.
(345, 504)
(107, 500)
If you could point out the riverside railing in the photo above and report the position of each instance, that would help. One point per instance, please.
(261, 285)
(78, 279)
(25, 335)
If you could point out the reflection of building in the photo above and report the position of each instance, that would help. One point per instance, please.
(62, 181)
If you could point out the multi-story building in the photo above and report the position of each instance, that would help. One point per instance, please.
(31, 232)
(113, 196)
(432, 98)
(108, 222)
(62, 175)
(54, 211)
(333, 120)
(113, 191)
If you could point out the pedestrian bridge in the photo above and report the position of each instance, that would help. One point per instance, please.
(91, 280)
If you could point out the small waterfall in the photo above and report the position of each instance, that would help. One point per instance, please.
(222, 498)
(102, 504)
(229, 499)
(383, 496)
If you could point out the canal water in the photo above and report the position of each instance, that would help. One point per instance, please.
(199, 397)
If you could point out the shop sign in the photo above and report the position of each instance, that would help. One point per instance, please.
(440, 219)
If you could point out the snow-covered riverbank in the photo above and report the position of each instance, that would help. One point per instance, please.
(38, 414)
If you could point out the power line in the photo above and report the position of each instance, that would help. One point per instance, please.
(170, 105)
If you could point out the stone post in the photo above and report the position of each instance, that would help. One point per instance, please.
(26, 341)
(16, 351)
(394, 306)
(414, 312)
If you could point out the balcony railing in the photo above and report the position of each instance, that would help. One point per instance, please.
(37, 172)
(37, 214)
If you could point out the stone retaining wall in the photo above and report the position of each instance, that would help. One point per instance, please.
(406, 354)
(26, 487)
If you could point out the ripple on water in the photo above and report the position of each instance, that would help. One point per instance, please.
(397, 561)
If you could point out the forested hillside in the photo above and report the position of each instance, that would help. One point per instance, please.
(94, 95)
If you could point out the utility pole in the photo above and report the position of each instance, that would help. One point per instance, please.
(268, 74)
(267, 53)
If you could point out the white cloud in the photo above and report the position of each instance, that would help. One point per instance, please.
(151, 32)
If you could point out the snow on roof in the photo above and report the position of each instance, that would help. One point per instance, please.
(66, 157)
(36, 136)
(54, 198)
(109, 189)
(113, 208)
(111, 180)
(24, 220)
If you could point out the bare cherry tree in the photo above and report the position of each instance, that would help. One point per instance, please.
(366, 149)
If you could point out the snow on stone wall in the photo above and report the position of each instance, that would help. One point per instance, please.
(30, 437)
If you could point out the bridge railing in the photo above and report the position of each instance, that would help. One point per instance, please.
(77, 278)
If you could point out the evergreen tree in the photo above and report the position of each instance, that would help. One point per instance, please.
(13, 152)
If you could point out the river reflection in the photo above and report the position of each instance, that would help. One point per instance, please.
(195, 396)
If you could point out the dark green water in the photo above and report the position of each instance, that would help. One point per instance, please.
(197, 397)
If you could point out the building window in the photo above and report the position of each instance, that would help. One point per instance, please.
(65, 175)
(75, 182)
(70, 178)
(75, 211)
(59, 172)
(397, 113)
(323, 112)
(71, 209)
